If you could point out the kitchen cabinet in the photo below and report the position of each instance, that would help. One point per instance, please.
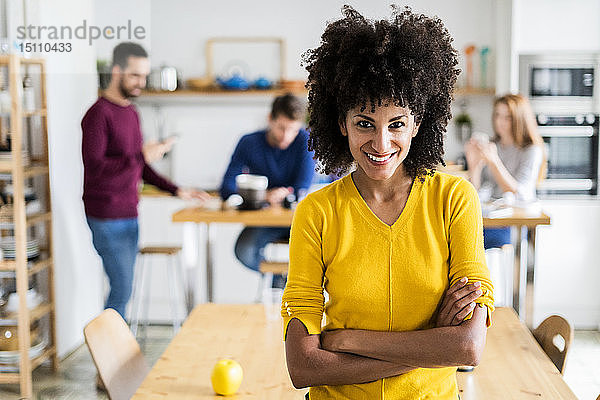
(567, 254)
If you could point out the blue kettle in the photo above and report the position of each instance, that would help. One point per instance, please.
(263, 83)
(235, 82)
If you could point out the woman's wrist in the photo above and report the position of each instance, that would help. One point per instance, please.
(336, 341)
(476, 168)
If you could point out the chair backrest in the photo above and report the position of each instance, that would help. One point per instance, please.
(545, 334)
(116, 353)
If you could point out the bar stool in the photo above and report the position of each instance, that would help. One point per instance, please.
(140, 296)
(267, 269)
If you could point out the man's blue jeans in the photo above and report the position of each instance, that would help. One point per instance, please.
(496, 237)
(251, 243)
(116, 241)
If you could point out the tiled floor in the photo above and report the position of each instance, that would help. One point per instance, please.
(582, 372)
(76, 378)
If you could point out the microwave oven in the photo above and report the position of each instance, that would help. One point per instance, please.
(561, 83)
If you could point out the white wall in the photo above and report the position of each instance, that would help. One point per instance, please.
(557, 25)
(71, 88)
(180, 28)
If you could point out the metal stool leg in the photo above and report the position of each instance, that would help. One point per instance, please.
(266, 282)
(172, 289)
(136, 296)
(182, 295)
(146, 298)
(261, 284)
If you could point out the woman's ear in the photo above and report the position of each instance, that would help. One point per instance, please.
(415, 129)
(343, 129)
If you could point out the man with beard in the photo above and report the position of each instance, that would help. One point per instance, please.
(114, 161)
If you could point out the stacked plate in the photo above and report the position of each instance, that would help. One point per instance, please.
(6, 156)
(8, 247)
(9, 360)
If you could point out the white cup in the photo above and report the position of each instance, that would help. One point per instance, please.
(249, 181)
(481, 137)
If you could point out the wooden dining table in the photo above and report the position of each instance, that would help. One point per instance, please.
(513, 365)
(524, 266)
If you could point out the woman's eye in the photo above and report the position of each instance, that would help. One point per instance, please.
(397, 125)
(364, 124)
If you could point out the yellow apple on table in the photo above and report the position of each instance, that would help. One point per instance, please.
(226, 377)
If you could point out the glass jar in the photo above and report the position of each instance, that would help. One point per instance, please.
(28, 94)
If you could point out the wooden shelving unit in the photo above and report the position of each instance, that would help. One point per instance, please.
(222, 92)
(474, 91)
(25, 226)
(183, 93)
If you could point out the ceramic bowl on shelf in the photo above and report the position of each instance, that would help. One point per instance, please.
(33, 300)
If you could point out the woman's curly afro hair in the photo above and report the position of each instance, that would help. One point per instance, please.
(408, 60)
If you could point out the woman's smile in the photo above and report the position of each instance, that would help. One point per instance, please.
(380, 159)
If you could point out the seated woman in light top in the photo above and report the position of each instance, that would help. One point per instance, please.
(510, 163)
(397, 246)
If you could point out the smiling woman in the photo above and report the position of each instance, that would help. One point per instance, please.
(397, 246)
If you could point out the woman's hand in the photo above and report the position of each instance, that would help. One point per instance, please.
(458, 302)
(473, 155)
(489, 152)
(276, 195)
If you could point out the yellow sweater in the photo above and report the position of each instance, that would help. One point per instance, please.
(381, 277)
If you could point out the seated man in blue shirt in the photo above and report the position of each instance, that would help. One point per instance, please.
(280, 153)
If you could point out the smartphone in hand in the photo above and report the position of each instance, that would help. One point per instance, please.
(168, 143)
(170, 139)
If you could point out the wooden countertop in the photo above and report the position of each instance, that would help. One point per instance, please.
(271, 216)
(278, 216)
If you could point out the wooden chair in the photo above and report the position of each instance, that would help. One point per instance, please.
(267, 269)
(545, 333)
(116, 354)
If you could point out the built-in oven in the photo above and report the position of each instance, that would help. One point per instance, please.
(572, 153)
(561, 83)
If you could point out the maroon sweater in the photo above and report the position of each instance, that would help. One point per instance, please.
(113, 161)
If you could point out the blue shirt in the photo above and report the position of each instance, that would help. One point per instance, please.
(293, 166)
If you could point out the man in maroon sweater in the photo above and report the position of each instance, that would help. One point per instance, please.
(115, 160)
